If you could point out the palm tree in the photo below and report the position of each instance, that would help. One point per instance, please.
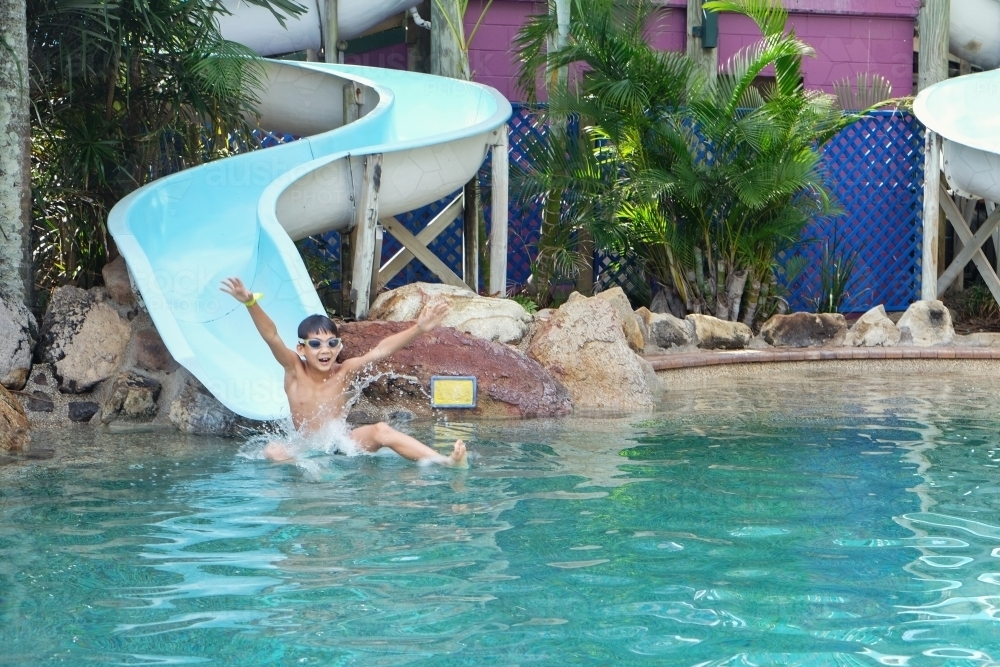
(705, 179)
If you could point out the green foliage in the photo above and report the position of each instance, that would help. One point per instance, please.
(121, 94)
(975, 302)
(704, 179)
(836, 272)
(324, 272)
(526, 302)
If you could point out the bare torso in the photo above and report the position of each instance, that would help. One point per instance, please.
(316, 399)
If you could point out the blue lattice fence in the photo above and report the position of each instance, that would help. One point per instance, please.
(875, 172)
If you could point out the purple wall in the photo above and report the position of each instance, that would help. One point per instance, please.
(849, 36)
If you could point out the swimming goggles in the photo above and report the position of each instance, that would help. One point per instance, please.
(316, 343)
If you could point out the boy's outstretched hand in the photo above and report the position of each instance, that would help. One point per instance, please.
(432, 315)
(236, 289)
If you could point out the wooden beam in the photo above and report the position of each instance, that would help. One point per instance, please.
(447, 57)
(331, 32)
(420, 251)
(440, 223)
(498, 227)
(470, 234)
(365, 220)
(962, 230)
(932, 206)
(934, 25)
(376, 258)
(958, 264)
(706, 59)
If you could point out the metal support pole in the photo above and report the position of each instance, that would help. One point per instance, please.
(932, 207)
(498, 228)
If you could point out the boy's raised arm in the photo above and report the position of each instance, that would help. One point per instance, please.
(429, 318)
(286, 357)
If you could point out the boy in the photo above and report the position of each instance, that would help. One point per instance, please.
(316, 385)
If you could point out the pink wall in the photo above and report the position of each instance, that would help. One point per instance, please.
(849, 37)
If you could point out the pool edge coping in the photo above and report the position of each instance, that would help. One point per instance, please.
(701, 359)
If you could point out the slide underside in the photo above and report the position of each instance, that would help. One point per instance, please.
(181, 235)
(965, 110)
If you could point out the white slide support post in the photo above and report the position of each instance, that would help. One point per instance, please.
(932, 206)
(366, 218)
(498, 227)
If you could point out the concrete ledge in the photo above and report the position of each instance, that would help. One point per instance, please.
(665, 362)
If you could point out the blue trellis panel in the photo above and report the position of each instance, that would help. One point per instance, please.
(875, 174)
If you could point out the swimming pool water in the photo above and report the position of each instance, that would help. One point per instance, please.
(752, 525)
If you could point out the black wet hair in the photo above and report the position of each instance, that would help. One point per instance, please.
(315, 324)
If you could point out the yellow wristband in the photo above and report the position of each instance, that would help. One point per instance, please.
(257, 296)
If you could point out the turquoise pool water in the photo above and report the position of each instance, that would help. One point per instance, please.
(752, 525)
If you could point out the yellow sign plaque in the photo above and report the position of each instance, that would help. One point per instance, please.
(454, 391)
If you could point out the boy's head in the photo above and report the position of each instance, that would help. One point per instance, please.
(316, 335)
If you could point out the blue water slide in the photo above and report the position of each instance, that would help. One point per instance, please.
(181, 235)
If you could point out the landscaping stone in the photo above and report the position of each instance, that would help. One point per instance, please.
(583, 346)
(667, 301)
(711, 333)
(630, 327)
(510, 383)
(39, 401)
(873, 329)
(18, 335)
(117, 283)
(804, 330)
(82, 411)
(196, 411)
(151, 353)
(63, 319)
(132, 397)
(15, 432)
(665, 330)
(499, 320)
(926, 323)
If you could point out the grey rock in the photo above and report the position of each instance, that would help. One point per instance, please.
(711, 333)
(873, 329)
(18, 335)
(926, 323)
(63, 319)
(804, 329)
(82, 411)
(196, 411)
(39, 401)
(131, 397)
(665, 330)
(117, 282)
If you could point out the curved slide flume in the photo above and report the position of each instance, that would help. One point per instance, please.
(182, 234)
(965, 110)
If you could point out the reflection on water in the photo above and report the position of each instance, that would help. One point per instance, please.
(831, 521)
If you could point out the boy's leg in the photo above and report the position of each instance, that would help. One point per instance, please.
(373, 437)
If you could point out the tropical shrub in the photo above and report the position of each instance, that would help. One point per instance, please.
(706, 179)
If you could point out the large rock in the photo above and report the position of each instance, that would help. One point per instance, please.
(926, 323)
(151, 353)
(14, 428)
(117, 283)
(83, 336)
(711, 333)
(132, 397)
(499, 320)
(804, 329)
(510, 384)
(18, 335)
(873, 329)
(630, 327)
(196, 411)
(583, 346)
(665, 330)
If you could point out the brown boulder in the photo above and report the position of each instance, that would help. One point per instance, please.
(630, 324)
(583, 346)
(804, 329)
(151, 354)
(132, 397)
(116, 281)
(14, 428)
(510, 384)
(711, 333)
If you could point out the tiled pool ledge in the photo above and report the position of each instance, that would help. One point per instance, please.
(665, 362)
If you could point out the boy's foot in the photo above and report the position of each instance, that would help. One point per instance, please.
(275, 451)
(459, 457)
